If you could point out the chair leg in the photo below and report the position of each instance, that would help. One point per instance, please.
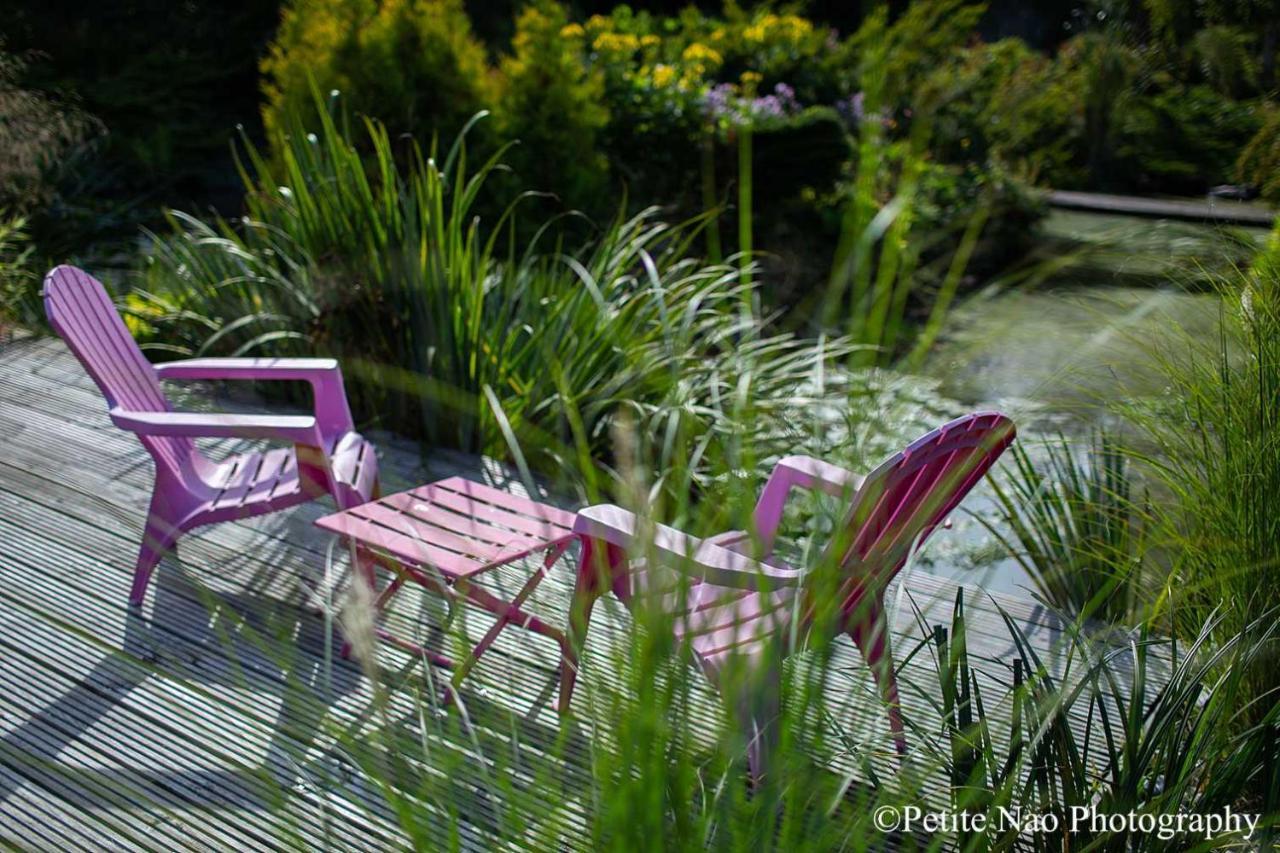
(753, 699)
(759, 709)
(871, 635)
(159, 537)
(592, 581)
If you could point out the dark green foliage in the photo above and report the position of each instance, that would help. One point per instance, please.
(1183, 139)
(827, 146)
(1007, 105)
(1259, 162)
(410, 63)
(167, 81)
(904, 51)
(553, 105)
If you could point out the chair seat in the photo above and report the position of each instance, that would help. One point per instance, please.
(243, 484)
(718, 622)
(248, 479)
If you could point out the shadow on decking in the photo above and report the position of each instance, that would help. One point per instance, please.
(248, 641)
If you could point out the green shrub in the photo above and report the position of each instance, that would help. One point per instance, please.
(654, 96)
(950, 197)
(412, 64)
(1008, 105)
(1105, 71)
(553, 104)
(780, 48)
(1224, 58)
(1183, 139)
(1259, 162)
(904, 53)
(19, 285)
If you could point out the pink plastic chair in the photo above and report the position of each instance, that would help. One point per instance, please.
(737, 610)
(328, 456)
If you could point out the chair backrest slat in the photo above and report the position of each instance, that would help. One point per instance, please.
(82, 313)
(901, 502)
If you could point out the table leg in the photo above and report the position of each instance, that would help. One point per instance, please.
(508, 612)
(366, 573)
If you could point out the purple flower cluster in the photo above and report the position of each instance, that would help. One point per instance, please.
(780, 104)
(722, 103)
(851, 108)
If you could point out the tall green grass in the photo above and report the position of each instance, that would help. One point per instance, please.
(1069, 519)
(19, 296)
(1153, 726)
(1211, 443)
(455, 330)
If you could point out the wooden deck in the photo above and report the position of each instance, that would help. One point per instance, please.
(1211, 211)
(210, 720)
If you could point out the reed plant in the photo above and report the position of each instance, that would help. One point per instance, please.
(1069, 519)
(457, 330)
(1211, 443)
(19, 297)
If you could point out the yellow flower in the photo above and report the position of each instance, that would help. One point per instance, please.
(571, 31)
(751, 78)
(596, 23)
(785, 28)
(691, 78)
(615, 43)
(701, 55)
(795, 27)
(650, 41)
(663, 76)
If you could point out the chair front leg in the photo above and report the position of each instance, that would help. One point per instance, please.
(158, 538)
(599, 567)
(869, 630)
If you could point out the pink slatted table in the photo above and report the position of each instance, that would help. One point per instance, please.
(442, 537)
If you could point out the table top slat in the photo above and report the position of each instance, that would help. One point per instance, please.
(427, 511)
(408, 549)
(505, 500)
(456, 526)
(484, 513)
(396, 512)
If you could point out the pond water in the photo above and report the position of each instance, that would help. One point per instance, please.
(1053, 346)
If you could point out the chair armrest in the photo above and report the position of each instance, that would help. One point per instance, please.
(717, 565)
(297, 429)
(282, 369)
(331, 410)
(804, 472)
(810, 473)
